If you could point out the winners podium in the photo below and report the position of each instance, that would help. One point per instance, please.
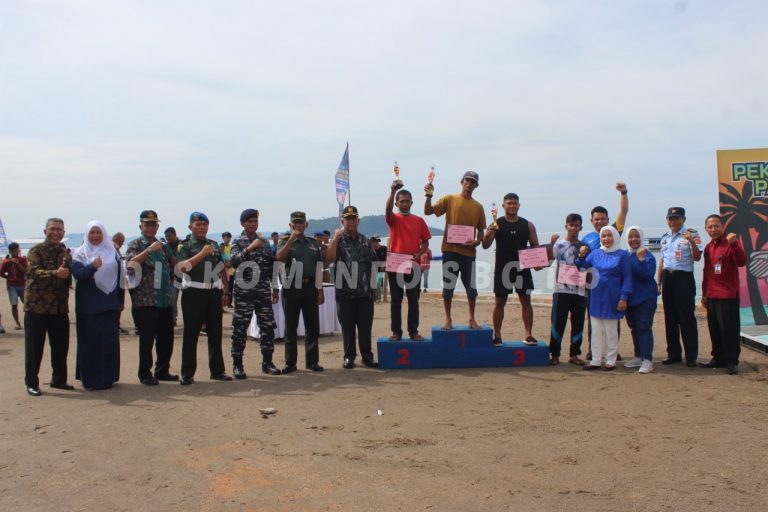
(460, 347)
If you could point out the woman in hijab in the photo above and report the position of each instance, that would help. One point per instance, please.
(641, 306)
(611, 288)
(98, 302)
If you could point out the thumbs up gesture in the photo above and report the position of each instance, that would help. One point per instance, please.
(732, 238)
(62, 272)
(97, 262)
(583, 251)
(641, 252)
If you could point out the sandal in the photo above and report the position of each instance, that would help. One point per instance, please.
(417, 337)
(395, 337)
(609, 368)
(531, 341)
(576, 360)
(497, 342)
(554, 361)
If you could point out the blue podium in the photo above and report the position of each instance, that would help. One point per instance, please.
(460, 347)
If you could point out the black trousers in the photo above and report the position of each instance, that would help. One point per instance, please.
(356, 319)
(302, 301)
(36, 327)
(678, 294)
(724, 329)
(412, 290)
(201, 307)
(564, 304)
(155, 328)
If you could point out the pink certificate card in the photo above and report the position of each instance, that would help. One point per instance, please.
(570, 274)
(458, 234)
(401, 263)
(530, 258)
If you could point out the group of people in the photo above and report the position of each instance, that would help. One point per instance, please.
(595, 279)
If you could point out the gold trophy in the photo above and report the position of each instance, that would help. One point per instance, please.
(397, 181)
(494, 215)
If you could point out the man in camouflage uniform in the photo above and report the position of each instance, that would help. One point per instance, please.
(252, 260)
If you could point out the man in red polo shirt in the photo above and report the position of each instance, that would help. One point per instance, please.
(723, 256)
(408, 235)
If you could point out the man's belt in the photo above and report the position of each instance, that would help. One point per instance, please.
(202, 286)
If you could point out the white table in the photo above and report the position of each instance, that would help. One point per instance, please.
(329, 322)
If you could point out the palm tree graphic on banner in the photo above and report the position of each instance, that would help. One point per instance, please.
(747, 215)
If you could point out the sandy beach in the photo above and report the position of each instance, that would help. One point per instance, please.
(550, 438)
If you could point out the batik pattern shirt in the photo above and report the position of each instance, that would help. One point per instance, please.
(44, 293)
(152, 290)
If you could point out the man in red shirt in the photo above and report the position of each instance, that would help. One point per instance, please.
(408, 235)
(723, 256)
(14, 269)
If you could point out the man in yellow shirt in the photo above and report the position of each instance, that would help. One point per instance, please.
(464, 227)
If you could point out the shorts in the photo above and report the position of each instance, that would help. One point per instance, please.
(510, 278)
(455, 264)
(15, 293)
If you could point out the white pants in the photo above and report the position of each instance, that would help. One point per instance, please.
(605, 329)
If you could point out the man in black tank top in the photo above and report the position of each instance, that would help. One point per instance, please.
(512, 234)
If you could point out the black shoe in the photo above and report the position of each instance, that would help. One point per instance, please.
(732, 369)
(34, 391)
(370, 363)
(186, 381)
(289, 368)
(269, 368)
(671, 360)
(65, 386)
(618, 357)
(713, 363)
(150, 381)
(239, 372)
(316, 368)
(348, 363)
(168, 377)
(222, 377)
(691, 364)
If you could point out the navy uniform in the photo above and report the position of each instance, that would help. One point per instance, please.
(302, 287)
(252, 297)
(201, 304)
(678, 291)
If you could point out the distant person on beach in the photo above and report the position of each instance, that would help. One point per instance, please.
(408, 237)
(152, 299)
(13, 270)
(569, 297)
(464, 224)
(226, 252)
(275, 239)
(599, 219)
(99, 298)
(302, 293)
(512, 234)
(46, 308)
(425, 262)
(172, 241)
(118, 239)
(381, 259)
(723, 256)
(680, 248)
(255, 291)
(641, 306)
(353, 255)
(205, 288)
(609, 295)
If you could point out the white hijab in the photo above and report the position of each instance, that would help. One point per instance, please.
(106, 275)
(616, 239)
(640, 234)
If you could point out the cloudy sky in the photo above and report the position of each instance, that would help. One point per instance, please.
(107, 108)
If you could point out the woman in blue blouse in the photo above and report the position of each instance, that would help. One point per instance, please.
(611, 288)
(642, 303)
(98, 302)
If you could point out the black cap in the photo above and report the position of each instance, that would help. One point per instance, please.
(148, 216)
(349, 211)
(298, 216)
(226, 233)
(471, 175)
(676, 211)
(248, 214)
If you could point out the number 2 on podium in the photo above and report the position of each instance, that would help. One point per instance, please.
(405, 357)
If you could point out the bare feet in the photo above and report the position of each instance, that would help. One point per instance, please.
(474, 325)
(447, 326)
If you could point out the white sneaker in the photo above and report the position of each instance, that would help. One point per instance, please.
(646, 366)
(635, 362)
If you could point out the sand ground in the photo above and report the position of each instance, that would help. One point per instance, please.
(530, 439)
